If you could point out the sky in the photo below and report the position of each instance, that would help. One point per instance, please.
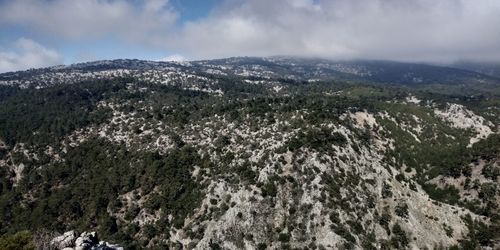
(39, 33)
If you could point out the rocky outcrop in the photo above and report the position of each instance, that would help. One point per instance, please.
(86, 241)
(64, 241)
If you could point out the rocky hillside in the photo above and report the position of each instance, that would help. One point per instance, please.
(223, 155)
(271, 70)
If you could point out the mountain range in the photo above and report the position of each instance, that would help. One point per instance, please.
(252, 153)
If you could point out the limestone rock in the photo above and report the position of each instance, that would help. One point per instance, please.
(64, 241)
(86, 241)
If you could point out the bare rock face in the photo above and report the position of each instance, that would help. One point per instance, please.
(86, 241)
(64, 241)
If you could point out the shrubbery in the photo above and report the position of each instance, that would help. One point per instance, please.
(19, 241)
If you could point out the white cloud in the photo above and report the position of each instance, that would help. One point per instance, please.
(412, 30)
(29, 54)
(139, 21)
(409, 30)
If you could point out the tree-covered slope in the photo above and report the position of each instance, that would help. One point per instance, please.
(181, 157)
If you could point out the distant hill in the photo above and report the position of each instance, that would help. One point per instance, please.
(372, 71)
(297, 69)
(490, 69)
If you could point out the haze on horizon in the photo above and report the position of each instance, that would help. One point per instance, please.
(38, 33)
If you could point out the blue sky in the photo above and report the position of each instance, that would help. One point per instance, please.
(191, 10)
(105, 47)
(38, 33)
(109, 48)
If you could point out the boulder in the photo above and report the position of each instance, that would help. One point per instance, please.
(66, 240)
(86, 241)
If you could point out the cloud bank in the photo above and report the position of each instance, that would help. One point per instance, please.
(29, 54)
(403, 30)
(408, 30)
(144, 22)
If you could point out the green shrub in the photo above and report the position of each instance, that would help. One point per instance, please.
(491, 172)
(320, 139)
(448, 195)
(19, 241)
(284, 237)
(269, 189)
(399, 239)
(261, 246)
(386, 190)
(402, 210)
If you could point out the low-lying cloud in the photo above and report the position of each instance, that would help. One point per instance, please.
(404, 30)
(409, 30)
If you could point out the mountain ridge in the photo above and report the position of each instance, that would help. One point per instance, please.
(285, 63)
(241, 153)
